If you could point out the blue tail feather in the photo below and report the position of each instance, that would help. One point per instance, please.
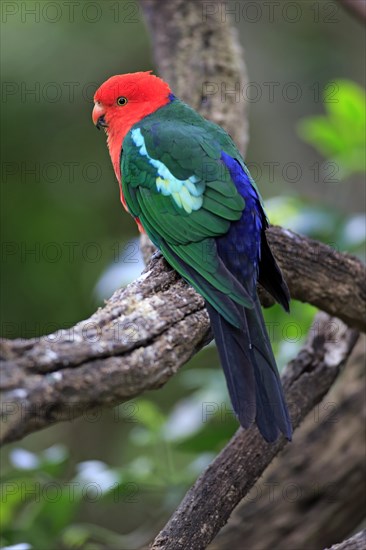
(251, 374)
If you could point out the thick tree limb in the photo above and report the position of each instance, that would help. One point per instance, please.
(357, 542)
(145, 333)
(317, 274)
(136, 342)
(320, 477)
(209, 503)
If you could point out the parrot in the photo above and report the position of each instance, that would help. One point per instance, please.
(185, 183)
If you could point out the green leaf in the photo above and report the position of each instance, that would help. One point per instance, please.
(319, 132)
(11, 500)
(340, 135)
(349, 104)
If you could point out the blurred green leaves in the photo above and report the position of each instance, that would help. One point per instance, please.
(34, 506)
(340, 135)
(40, 500)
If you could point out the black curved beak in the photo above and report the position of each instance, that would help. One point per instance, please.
(101, 123)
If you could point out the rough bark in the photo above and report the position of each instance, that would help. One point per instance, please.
(209, 503)
(136, 342)
(320, 477)
(357, 542)
(145, 333)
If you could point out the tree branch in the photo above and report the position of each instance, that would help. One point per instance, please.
(146, 332)
(319, 476)
(209, 503)
(357, 542)
(321, 276)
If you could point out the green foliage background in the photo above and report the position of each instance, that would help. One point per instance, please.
(111, 480)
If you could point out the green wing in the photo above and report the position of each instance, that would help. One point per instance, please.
(175, 183)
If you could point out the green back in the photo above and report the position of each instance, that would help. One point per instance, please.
(174, 181)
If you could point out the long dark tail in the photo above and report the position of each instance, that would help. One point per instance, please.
(251, 373)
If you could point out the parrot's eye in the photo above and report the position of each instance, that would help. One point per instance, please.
(122, 101)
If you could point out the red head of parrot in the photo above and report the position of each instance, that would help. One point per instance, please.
(122, 101)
